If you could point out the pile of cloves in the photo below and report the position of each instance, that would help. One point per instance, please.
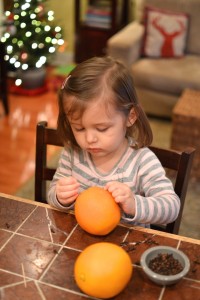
(165, 264)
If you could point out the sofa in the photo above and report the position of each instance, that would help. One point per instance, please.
(160, 77)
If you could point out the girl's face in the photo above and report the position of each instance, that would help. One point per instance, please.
(101, 129)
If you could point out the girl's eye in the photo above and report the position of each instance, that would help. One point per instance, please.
(102, 129)
(78, 129)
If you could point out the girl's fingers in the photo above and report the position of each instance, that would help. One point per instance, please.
(68, 200)
(68, 188)
(67, 194)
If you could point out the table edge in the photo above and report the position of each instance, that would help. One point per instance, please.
(145, 230)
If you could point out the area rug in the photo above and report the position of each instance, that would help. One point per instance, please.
(190, 225)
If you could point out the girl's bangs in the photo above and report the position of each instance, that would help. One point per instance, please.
(75, 108)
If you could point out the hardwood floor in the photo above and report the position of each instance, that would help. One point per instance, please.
(17, 134)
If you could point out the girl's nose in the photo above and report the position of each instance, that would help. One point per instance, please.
(90, 137)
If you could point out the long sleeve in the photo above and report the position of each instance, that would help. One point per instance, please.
(156, 201)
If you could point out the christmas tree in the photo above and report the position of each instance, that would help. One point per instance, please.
(30, 36)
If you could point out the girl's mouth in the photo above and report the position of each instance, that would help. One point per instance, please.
(93, 150)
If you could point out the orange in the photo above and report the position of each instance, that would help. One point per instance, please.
(103, 270)
(96, 211)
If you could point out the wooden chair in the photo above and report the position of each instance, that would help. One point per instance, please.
(45, 136)
(3, 79)
(181, 163)
(178, 161)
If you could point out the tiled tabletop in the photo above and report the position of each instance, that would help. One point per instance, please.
(39, 245)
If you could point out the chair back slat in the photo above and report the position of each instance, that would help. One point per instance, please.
(51, 137)
(178, 161)
(169, 159)
(48, 173)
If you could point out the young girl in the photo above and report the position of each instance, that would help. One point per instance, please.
(106, 135)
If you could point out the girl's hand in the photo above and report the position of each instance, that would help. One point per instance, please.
(67, 190)
(122, 195)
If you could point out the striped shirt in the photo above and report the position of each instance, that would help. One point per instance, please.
(155, 199)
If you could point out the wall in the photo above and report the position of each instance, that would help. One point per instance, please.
(64, 17)
(1, 15)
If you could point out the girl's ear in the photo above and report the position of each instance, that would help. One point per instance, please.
(131, 118)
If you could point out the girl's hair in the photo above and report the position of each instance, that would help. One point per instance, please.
(87, 81)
